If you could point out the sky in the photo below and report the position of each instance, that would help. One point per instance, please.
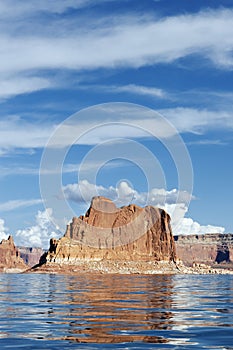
(127, 99)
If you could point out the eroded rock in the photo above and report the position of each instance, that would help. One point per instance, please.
(105, 232)
(9, 257)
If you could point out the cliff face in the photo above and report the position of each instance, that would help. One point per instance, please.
(208, 248)
(30, 256)
(129, 233)
(9, 256)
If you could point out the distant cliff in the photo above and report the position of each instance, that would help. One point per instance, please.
(10, 257)
(31, 256)
(108, 233)
(208, 248)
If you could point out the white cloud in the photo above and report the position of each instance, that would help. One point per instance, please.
(174, 202)
(129, 41)
(137, 89)
(189, 227)
(84, 191)
(12, 86)
(156, 41)
(198, 121)
(16, 132)
(3, 230)
(207, 142)
(107, 123)
(12, 8)
(123, 194)
(16, 204)
(110, 122)
(68, 168)
(39, 234)
(123, 120)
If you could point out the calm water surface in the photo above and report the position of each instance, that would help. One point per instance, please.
(123, 312)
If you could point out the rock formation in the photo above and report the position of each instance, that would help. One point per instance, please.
(108, 233)
(207, 249)
(9, 256)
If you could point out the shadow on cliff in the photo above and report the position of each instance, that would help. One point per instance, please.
(223, 255)
(41, 262)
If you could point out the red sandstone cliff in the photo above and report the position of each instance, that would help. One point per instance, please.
(207, 249)
(109, 233)
(9, 256)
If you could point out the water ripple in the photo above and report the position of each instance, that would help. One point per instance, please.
(136, 312)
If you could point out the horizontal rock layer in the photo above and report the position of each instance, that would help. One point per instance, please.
(208, 248)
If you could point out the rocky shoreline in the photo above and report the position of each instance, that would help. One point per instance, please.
(128, 267)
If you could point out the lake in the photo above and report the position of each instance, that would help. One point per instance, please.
(42, 311)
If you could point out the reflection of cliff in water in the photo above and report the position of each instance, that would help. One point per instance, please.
(113, 309)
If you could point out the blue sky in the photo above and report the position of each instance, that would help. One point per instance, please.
(60, 57)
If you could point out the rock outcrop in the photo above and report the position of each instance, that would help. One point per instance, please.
(108, 233)
(10, 259)
(205, 249)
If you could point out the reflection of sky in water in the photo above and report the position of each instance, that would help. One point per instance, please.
(111, 309)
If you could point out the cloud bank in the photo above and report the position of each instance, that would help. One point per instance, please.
(189, 227)
(174, 202)
(130, 41)
(108, 42)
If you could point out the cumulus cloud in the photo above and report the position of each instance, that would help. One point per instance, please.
(175, 202)
(189, 227)
(3, 230)
(124, 194)
(39, 234)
